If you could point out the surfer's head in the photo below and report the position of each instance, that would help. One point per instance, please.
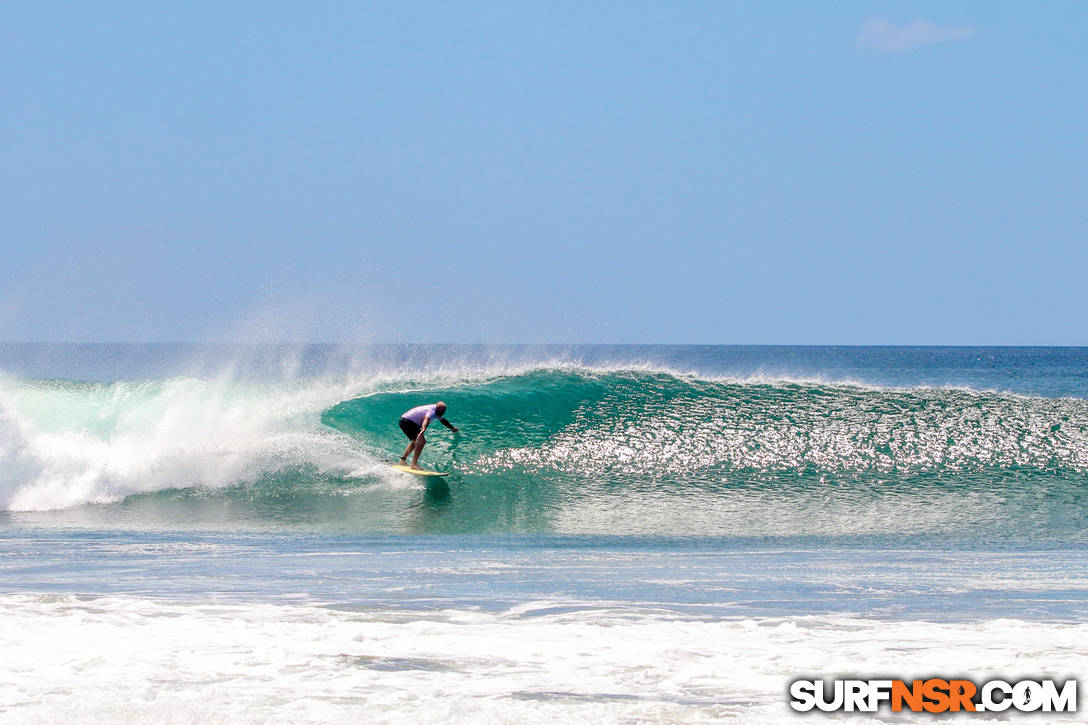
(440, 408)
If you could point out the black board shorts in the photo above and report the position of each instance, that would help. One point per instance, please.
(410, 429)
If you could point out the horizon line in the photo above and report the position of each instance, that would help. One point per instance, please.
(255, 343)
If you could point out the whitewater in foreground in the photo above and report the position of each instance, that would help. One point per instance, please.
(628, 534)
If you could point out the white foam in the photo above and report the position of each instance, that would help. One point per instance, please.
(123, 659)
(63, 445)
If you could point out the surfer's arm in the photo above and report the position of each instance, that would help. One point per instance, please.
(448, 424)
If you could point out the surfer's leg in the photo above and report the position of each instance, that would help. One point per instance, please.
(420, 442)
(411, 430)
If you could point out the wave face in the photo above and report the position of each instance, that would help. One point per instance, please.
(658, 426)
(564, 448)
(656, 452)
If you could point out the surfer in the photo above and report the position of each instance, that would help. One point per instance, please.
(415, 422)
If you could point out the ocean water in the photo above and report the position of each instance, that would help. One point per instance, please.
(628, 534)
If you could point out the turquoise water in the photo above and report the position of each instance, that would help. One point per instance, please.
(749, 507)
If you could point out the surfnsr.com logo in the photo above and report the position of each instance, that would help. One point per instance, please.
(933, 695)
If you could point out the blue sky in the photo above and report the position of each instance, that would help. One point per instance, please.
(705, 172)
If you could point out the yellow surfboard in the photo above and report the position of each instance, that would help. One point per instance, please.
(416, 471)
